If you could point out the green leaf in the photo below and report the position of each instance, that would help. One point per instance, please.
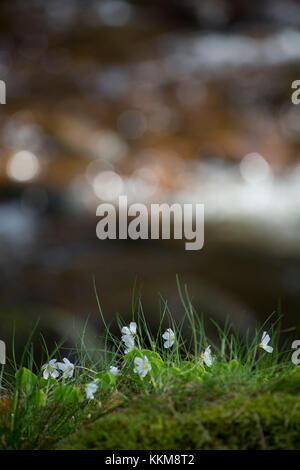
(38, 398)
(175, 371)
(26, 379)
(188, 371)
(131, 355)
(154, 359)
(151, 355)
(68, 394)
(234, 364)
(220, 367)
(106, 379)
(43, 383)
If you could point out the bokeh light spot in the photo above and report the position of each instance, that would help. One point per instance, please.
(108, 185)
(254, 168)
(23, 166)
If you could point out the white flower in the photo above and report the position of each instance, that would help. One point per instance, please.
(66, 367)
(91, 389)
(129, 343)
(128, 336)
(50, 369)
(114, 371)
(206, 357)
(142, 366)
(264, 342)
(131, 331)
(169, 336)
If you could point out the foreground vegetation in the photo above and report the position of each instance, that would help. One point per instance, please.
(145, 391)
(186, 420)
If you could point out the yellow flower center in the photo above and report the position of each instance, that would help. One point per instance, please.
(260, 345)
(172, 338)
(145, 365)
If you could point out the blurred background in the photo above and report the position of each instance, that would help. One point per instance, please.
(171, 101)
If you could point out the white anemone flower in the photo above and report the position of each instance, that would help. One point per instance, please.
(114, 371)
(264, 342)
(142, 366)
(169, 336)
(50, 370)
(91, 389)
(128, 336)
(129, 343)
(67, 368)
(206, 357)
(131, 331)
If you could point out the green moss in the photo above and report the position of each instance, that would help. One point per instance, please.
(186, 421)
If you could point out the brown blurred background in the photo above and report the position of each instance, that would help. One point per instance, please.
(174, 101)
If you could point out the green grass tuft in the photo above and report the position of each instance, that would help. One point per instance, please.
(247, 398)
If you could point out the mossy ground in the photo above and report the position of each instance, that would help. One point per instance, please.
(199, 417)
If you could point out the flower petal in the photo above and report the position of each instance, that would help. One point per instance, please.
(125, 330)
(138, 361)
(263, 336)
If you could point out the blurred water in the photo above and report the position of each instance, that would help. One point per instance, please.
(170, 104)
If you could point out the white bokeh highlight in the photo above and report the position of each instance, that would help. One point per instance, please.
(23, 166)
